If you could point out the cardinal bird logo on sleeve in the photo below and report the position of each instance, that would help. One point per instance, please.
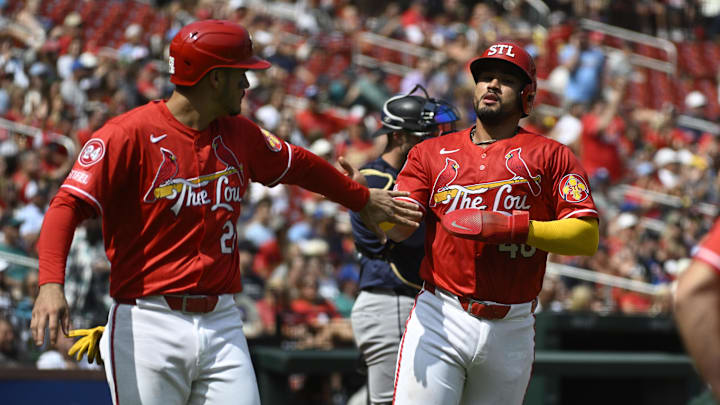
(165, 174)
(517, 166)
(227, 157)
(445, 178)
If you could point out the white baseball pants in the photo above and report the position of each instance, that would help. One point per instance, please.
(449, 357)
(155, 355)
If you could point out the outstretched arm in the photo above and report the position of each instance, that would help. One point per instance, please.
(373, 205)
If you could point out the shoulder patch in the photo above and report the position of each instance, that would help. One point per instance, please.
(92, 152)
(573, 188)
(273, 142)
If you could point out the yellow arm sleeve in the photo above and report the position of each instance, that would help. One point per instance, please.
(569, 236)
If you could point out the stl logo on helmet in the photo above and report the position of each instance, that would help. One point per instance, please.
(573, 188)
(501, 49)
(92, 152)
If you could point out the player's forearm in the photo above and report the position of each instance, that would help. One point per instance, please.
(56, 235)
(315, 174)
(698, 321)
(570, 236)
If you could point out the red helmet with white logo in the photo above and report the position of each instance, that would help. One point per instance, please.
(515, 54)
(205, 45)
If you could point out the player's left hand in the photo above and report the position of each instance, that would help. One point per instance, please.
(89, 343)
(488, 226)
(382, 206)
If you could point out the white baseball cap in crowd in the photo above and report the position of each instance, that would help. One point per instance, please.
(695, 99)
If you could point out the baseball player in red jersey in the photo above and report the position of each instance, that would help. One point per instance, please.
(496, 199)
(697, 309)
(168, 179)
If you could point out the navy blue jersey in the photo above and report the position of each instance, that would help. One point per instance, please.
(393, 265)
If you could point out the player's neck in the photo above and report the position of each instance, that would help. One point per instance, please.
(394, 158)
(484, 135)
(191, 114)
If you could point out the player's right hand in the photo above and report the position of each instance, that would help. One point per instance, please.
(51, 310)
(89, 343)
(382, 206)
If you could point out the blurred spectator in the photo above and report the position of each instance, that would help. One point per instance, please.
(9, 354)
(259, 230)
(12, 243)
(602, 142)
(133, 49)
(348, 282)
(568, 129)
(584, 61)
(315, 121)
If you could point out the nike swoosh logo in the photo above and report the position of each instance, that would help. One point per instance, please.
(460, 226)
(445, 152)
(156, 139)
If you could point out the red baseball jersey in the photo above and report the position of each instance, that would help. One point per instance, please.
(527, 172)
(709, 250)
(170, 197)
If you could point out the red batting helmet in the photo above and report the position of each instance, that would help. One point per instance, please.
(204, 45)
(515, 54)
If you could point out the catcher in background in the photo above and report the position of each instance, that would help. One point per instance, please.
(168, 179)
(697, 309)
(496, 199)
(389, 278)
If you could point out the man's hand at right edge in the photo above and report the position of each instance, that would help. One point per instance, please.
(51, 310)
(383, 206)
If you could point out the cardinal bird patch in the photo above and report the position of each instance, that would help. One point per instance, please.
(272, 141)
(92, 152)
(573, 188)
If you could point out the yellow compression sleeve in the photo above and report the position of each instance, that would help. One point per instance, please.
(569, 236)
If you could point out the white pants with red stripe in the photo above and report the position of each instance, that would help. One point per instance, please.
(155, 355)
(448, 357)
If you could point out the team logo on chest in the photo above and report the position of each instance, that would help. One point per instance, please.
(573, 188)
(198, 191)
(457, 196)
(517, 166)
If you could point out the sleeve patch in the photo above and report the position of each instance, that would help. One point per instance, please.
(574, 189)
(92, 152)
(272, 141)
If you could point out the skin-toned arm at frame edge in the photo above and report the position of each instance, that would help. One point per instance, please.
(697, 315)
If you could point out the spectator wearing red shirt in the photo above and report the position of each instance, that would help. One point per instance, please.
(316, 122)
(602, 143)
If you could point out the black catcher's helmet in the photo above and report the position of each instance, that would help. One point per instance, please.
(417, 115)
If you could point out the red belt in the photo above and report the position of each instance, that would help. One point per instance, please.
(477, 308)
(186, 303)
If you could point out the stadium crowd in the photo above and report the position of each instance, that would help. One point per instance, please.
(67, 66)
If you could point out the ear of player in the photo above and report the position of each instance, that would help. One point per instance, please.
(488, 226)
(89, 343)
